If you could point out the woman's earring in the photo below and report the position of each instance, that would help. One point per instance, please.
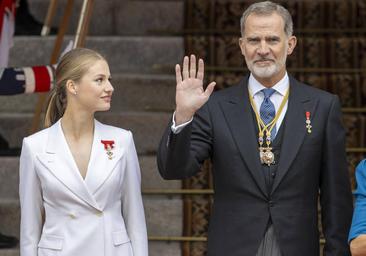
(75, 93)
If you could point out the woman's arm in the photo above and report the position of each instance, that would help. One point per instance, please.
(31, 203)
(358, 246)
(357, 235)
(133, 210)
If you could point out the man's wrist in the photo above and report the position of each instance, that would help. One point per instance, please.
(182, 117)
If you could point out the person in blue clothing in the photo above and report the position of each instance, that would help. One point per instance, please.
(357, 235)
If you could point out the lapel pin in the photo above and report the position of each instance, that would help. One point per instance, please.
(308, 122)
(108, 146)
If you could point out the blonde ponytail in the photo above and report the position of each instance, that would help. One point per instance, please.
(56, 106)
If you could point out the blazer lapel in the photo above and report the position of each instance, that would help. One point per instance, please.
(238, 113)
(100, 166)
(60, 162)
(295, 130)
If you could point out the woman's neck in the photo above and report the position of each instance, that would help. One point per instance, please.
(77, 124)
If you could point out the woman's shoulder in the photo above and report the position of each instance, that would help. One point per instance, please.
(110, 130)
(361, 167)
(360, 172)
(36, 142)
(36, 137)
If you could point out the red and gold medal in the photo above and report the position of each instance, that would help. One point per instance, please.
(308, 122)
(108, 146)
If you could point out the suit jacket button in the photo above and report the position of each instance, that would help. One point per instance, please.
(72, 216)
(270, 203)
(99, 214)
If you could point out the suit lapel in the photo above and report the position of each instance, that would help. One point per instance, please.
(295, 130)
(60, 162)
(238, 113)
(100, 166)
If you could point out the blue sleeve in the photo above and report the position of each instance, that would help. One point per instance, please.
(359, 215)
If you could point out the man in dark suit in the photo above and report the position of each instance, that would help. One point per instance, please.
(275, 144)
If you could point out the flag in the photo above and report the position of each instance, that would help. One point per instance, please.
(7, 24)
(26, 80)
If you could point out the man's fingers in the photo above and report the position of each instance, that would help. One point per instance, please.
(192, 70)
(201, 69)
(185, 68)
(209, 89)
(178, 74)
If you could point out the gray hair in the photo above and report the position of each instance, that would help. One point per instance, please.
(267, 8)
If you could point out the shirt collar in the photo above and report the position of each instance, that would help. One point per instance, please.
(280, 87)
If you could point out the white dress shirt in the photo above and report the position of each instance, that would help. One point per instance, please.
(281, 88)
(255, 88)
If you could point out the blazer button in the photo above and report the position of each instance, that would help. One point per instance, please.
(270, 203)
(99, 214)
(72, 216)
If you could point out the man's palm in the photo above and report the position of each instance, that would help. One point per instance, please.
(190, 95)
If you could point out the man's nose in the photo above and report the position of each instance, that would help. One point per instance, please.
(263, 48)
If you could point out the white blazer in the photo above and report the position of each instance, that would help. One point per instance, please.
(64, 215)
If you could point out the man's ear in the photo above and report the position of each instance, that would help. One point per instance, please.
(291, 42)
(242, 45)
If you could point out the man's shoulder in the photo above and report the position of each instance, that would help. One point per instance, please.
(304, 89)
(311, 91)
(228, 92)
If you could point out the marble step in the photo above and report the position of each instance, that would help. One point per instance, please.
(9, 176)
(164, 215)
(116, 17)
(135, 54)
(132, 92)
(9, 252)
(147, 127)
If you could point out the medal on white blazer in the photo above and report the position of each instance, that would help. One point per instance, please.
(108, 147)
(266, 155)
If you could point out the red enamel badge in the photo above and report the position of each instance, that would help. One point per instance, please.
(108, 144)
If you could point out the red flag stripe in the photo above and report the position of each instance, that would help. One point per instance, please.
(42, 79)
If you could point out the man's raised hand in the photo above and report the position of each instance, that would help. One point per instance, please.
(190, 95)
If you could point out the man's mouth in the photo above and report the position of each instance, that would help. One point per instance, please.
(264, 61)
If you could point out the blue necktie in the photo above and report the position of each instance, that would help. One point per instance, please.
(267, 109)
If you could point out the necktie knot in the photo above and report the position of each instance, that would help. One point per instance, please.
(268, 92)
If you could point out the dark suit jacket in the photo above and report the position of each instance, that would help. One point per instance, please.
(310, 164)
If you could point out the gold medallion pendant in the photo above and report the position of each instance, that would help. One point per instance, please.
(266, 155)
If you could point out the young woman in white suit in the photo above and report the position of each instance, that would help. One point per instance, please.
(80, 179)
